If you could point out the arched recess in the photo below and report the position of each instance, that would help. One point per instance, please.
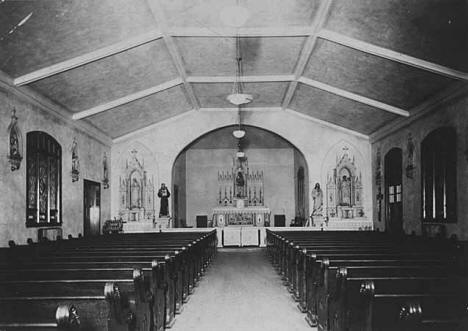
(262, 150)
(344, 182)
(393, 167)
(136, 182)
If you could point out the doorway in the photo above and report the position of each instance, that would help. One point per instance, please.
(393, 191)
(92, 208)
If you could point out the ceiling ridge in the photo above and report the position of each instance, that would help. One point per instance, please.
(243, 79)
(219, 32)
(159, 16)
(309, 45)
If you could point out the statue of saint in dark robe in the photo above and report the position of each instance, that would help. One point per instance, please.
(164, 195)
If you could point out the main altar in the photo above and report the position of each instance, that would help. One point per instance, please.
(240, 210)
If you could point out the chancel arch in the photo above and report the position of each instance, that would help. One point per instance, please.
(210, 176)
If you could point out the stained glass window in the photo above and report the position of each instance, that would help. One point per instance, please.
(43, 180)
(439, 173)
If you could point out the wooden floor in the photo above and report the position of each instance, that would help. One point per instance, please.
(241, 291)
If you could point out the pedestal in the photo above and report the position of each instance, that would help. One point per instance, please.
(164, 222)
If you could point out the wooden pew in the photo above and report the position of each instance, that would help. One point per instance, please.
(308, 276)
(65, 317)
(169, 275)
(349, 304)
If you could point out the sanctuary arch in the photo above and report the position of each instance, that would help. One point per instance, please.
(247, 191)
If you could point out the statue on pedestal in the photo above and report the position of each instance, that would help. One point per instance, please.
(317, 196)
(164, 195)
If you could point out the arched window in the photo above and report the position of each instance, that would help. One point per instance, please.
(43, 180)
(439, 176)
(300, 192)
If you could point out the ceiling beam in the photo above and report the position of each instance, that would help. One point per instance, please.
(87, 58)
(353, 96)
(287, 31)
(126, 99)
(326, 124)
(243, 109)
(45, 104)
(429, 106)
(390, 55)
(319, 21)
(244, 79)
(158, 14)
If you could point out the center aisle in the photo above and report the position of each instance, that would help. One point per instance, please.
(241, 291)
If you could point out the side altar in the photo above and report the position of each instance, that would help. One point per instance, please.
(241, 207)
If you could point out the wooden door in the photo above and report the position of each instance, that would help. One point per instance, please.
(393, 191)
(92, 208)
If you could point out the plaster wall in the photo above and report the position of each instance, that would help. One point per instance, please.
(202, 185)
(455, 115)
(179, 177)
(314, 139)
(13, 183)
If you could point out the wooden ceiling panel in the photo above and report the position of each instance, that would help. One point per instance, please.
(260, 56)
(207, 14)
(110, 78)
(264, 94)
(371, 76)
(433, 30)
(141, 113)
(58, 30)
(338, 110)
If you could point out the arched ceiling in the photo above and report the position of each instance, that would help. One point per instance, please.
(121, 65)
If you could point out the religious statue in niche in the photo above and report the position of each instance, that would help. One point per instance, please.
(105, 170)
(240, 183)
(136, 190)
(15, 143)
(164, 195)
(317, 196)
(410, 156)
(75, 172)
(344, 189)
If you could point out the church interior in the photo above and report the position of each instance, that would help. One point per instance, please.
(233, 164)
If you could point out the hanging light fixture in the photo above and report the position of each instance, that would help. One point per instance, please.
(239, 133)
(238, 97)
